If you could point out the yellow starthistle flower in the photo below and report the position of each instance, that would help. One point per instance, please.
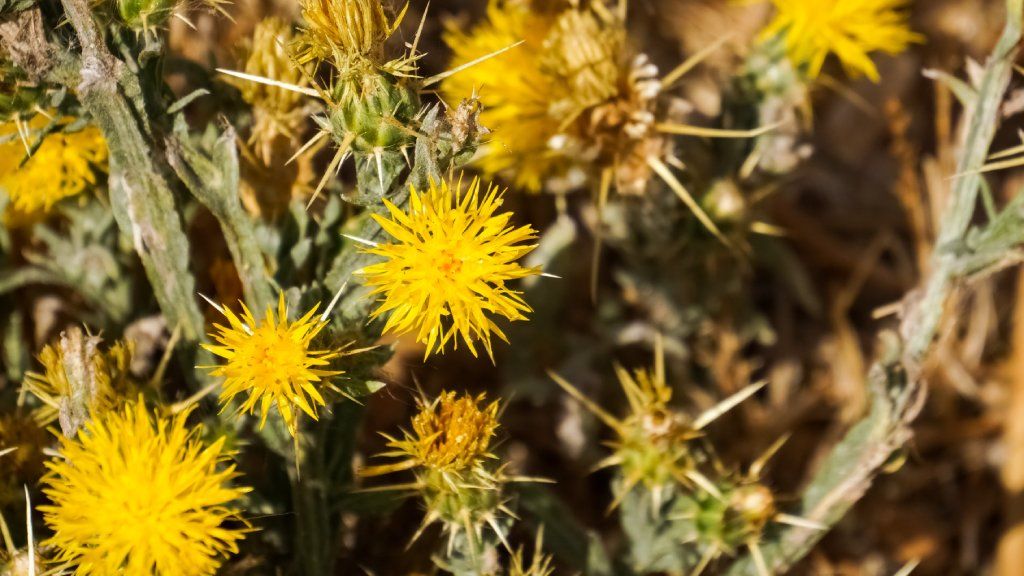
(850, 29)
(79, 381)
(350, 34)
(652, 447)
(445, 275)
(64, 165)
(272, 364)
(142, 494)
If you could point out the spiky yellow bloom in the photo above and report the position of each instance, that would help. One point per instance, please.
(142, 494)
(79, 380)
(574, 99)
(64, 165)
(272, 363)
(350, 34)
(444, 276)
(850, 29)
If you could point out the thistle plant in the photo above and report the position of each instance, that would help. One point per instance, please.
(201, 297)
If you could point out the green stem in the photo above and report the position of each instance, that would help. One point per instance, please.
(140, 192)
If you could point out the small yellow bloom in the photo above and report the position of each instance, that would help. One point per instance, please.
(445, 274)
(141, 494)
(79, 381)
(272, 362)
(64, 165)
(850, 29)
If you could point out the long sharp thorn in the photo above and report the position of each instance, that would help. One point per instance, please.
(334, 301)
(684, 195)
(30, 534)
(691, 62)
(312, 141)
(419, 30)
(377, 153)
(361, 240)
(587, 402)
(702, 481)
(547, 275)
(438, 77)
(755, 553)
(713, 413)
(271, 82)
(687, 130)
(335, 162)
(758, 466)
(800, 522)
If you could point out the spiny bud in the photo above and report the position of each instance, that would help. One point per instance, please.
(145, 14)
(376, 117)
(449, 452)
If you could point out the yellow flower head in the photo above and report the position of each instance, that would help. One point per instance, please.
(444, 276)
(141, 494)
(451, 435)
(272, 362)
(79, 381)
(64, 165)
(850, 29)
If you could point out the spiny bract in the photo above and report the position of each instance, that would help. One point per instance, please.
(142, 494)
(444, 276)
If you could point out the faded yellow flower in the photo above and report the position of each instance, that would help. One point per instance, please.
(573, 101)
(271, 362)
(142, 494)
(515, 92)
(850, 29)
(277, 112)
(457, 476)
(450, 435)
(64, 165)
(444, 276)
(79, 380)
